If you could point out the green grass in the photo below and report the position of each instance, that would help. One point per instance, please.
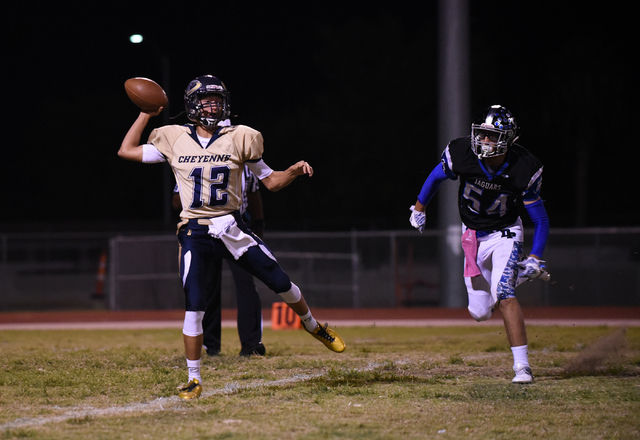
(391, 383)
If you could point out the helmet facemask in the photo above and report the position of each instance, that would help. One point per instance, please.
(487, 141)
(214, 114)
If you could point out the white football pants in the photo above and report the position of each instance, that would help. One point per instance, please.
(498, 255)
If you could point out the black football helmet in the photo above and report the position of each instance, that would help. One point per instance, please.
(498, 124)
(205, 85)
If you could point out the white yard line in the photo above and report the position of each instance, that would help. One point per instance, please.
(173, 403)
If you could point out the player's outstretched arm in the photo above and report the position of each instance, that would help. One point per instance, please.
(279, 179)
(431, 185)
(130, 149)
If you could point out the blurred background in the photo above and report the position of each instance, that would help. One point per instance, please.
(351, 87)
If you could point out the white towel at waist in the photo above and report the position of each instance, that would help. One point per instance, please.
(226, 229)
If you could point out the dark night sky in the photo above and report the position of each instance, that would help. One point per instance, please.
(350, 87)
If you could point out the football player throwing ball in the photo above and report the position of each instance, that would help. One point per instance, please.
(208, 161)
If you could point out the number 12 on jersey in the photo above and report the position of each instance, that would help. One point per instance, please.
(216, 192)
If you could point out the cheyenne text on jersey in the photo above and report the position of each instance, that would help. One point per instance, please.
(204, 159)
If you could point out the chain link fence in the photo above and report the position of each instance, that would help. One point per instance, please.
(589, 267)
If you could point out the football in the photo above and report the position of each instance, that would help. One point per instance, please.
(146, 94)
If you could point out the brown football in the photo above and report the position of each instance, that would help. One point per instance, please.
(146, 94)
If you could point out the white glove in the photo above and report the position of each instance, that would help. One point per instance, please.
(531, 268)
(417, 218)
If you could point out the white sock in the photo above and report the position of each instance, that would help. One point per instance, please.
(194, 370)
(309, 321)
(520, 355)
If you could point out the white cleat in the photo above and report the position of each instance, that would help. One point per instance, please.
(523, 374)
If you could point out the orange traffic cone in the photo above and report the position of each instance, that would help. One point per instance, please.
(283, 318)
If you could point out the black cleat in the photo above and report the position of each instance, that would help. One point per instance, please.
(257, 350)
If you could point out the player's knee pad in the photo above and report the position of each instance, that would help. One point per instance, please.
(292, 295)
(480, 313)
(192, 324)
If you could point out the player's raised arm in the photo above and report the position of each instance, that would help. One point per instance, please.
(279, 179)
(130, 149)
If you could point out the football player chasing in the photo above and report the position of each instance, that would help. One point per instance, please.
(208, 162)
(495, 175)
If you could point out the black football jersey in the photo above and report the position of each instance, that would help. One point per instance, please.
(489, 201)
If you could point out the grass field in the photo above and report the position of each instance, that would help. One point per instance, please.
(391, 383)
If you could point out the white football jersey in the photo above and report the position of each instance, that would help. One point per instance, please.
(209, 178)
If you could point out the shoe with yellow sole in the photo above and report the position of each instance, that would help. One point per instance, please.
(192, 390)
(328, 337)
